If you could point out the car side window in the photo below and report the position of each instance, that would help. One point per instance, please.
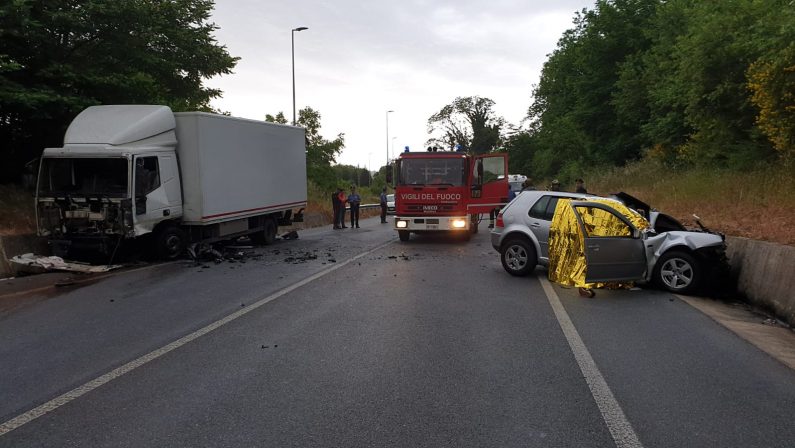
(538, 210)
(598, 222)
(550, 211)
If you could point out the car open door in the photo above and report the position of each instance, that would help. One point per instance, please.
(489, 189)
(613, 246)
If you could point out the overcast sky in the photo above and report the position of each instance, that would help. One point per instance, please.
(359, 59)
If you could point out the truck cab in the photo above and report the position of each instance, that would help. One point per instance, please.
(115, 177)
(447, 191)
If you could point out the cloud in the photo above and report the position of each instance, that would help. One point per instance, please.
(360, 59)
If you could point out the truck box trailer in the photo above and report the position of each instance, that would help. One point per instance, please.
(131, 171)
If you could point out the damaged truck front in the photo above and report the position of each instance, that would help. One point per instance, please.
(84, 200)
(133, 171)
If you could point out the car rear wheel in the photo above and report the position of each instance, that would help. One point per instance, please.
(678, 272)
(518, 256)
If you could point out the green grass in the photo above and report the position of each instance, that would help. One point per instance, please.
(757, 203)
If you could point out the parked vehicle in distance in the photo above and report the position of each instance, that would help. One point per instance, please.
(131, 171)
(666, 253)
(390, 204)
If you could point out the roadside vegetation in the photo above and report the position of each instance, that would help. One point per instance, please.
(757, 203)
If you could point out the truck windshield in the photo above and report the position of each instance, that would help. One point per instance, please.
(83, 176)
(427, 171)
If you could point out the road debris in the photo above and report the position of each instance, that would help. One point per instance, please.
(31, 263)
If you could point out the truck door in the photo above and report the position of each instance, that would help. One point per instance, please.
(150, 199)
(613, 246)
(489, 185)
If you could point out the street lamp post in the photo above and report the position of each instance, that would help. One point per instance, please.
(387, 136)
(292, 47)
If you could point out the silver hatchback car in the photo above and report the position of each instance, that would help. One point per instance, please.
(667, 254)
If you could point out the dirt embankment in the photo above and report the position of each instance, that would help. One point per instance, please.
(757, 204)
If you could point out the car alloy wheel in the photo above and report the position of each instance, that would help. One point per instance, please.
(518, 256)
(678, 271)
(677, 274)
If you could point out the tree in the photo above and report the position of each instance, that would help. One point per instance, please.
(469, 122)
(58, 57)
(320, 152)
(279, 118)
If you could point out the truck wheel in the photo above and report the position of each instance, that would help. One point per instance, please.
(518, 256)
(678, 272)
(170, 243)
(473, 224)
(404, 235)
(267, 235)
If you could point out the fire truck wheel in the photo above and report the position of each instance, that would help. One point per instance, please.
(473, 224)
(518, 256)
(404, 235)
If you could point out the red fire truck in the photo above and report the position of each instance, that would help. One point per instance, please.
(447, 191)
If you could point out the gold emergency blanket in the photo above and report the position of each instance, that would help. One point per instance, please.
(567, 264)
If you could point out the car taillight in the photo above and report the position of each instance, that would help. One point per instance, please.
(500, 222)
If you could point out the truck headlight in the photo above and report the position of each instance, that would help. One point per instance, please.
(459, 223)
(401, 224)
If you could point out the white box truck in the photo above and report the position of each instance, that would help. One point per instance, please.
(132, 171)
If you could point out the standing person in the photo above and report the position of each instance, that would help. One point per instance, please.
(341, 217)
(335, 206)
(555, 186)
(354, 199)
(579, 186)
(383, 205)
(527, 185)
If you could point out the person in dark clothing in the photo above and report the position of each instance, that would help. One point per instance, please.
(579, 186)
(341, 217)
(335, 205)
(354, 199)
(383, 205)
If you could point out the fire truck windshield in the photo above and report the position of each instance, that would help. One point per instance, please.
(427, 171)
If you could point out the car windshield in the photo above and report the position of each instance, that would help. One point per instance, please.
(105, 176)
(390, 198)
(428, 171)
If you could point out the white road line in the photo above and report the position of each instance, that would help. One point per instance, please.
(614, 417)
(79, 391)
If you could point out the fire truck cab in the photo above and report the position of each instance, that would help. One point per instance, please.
(447, 191)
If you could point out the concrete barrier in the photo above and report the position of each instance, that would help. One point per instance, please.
(13, 245)
(765, 274)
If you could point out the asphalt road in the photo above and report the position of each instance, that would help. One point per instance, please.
(351, 338)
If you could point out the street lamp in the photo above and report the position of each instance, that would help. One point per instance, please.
(387, 136)
(292, 46)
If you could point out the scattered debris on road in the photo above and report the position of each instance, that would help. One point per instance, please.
(33, 264)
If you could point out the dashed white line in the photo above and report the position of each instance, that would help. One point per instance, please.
(79, 391)
(618, 425)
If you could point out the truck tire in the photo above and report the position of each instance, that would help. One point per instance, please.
(473, 223)
(267, 235)
(170, 243)
(518, 256)
(678, 272)
(404, 235)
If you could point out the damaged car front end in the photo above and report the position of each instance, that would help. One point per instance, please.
(586, 240)
(84, 202)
